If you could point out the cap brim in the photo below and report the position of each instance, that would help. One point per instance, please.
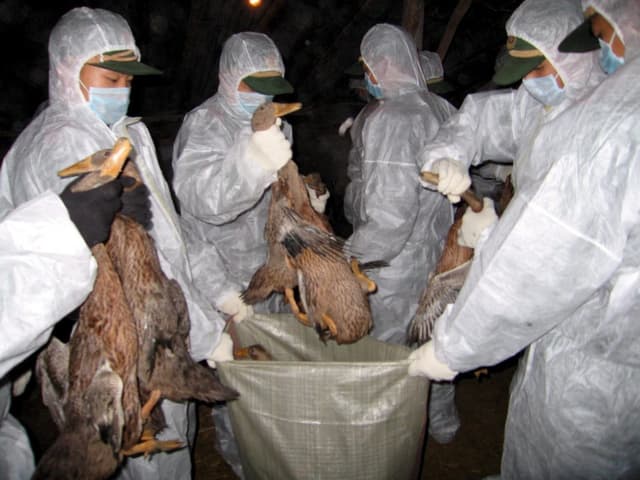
(514, 68)
(440, 87)
(580, 40)
(268, 85)
(128, 68)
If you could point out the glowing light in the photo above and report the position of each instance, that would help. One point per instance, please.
(255, 3)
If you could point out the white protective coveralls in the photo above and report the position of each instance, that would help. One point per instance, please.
(560, 273)
(47, 271)
(224, 194)
(500, 124)
(66, 131)
(393, 217)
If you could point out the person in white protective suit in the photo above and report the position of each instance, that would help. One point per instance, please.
(92, 57)
(222, 174)
(497, 125)
(433, 70)
(223, 170)
(39, 240)
(393, 217)
(559, 275)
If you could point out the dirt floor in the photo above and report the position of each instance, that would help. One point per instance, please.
(473, 454)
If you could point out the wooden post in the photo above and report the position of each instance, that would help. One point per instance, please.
(413, 20)
(452, 26)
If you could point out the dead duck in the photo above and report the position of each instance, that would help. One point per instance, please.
(445, 282)
(254, 352)
(105, 338)
(304, 253)
(136, 322)
(88, 444)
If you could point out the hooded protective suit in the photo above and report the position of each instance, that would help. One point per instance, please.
(394, 218)
(560, 274)
(431, 66)
(498, 125)
(623, 17)
(38, 242)
(68, 130)
(223, 194)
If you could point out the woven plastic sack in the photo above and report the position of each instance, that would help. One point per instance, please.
(324, 411)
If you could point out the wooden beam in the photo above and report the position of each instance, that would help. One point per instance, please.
(413, 20)
(452, 26)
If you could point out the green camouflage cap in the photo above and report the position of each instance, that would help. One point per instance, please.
(521, 58)
(582, 38)
(123, 61)
(268, 83)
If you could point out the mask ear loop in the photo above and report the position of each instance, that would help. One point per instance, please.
(369, 73)
(86, 89)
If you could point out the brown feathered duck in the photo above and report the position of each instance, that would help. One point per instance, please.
(129, 349)
(303, 252)
(445, 282)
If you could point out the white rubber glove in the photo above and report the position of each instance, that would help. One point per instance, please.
(223, 351)
(319, 203)
(473, 224)
(423, 363)
(20, 383)
(345, 126)
(453, 179)
(269, 148)
(233, 305)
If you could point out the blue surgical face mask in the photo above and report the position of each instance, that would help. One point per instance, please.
(609, 61)
(544, 89)
(250, 101)
(110, 104)
(373, 89)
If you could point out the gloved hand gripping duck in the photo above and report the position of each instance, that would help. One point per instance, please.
(303, 252)
(130, 347)
(448, 277)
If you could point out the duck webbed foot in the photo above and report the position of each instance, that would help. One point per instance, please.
(148, 443)
(302, 317)
(150, 404)
(367, 284)
(330, 324)
(151, 445)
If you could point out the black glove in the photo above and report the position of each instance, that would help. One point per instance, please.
(135, 203)
(93, 211)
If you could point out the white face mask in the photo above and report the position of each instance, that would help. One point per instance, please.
(374, 89)
(609, 61)
(545, 89)
(109, 104)
(250, 101)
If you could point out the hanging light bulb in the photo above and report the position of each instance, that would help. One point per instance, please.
(255, 3)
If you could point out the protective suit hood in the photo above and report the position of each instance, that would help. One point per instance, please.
(244, 54)
(391, 55)
(431, 65)
(624, 17)
(544, 24)
(79, 35)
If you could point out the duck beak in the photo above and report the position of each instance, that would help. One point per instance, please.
(109, 167)
(282, 109)
(241, 353)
